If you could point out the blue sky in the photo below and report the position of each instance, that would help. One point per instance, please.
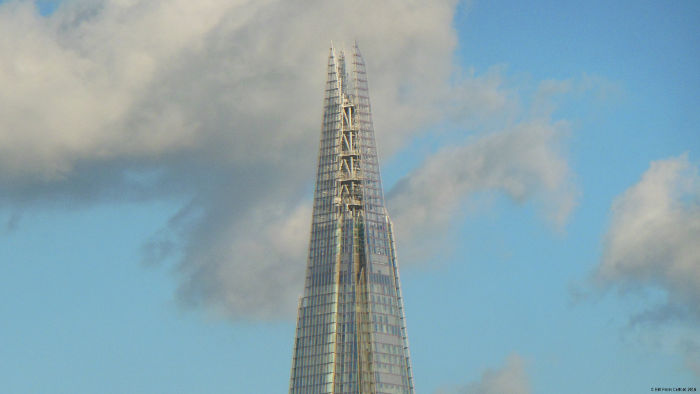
(157, 158)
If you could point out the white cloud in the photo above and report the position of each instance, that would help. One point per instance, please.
(250, 266)
(100, 80)
(511, 378)
(652, 243)
(654, 232)
(214, 103)
(218, 104)
(523, 162)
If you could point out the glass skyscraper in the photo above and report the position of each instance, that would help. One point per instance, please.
(351, 332)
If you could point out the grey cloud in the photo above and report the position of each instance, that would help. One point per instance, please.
(692, 356)
(142, 79)
(523, 162)
(657, 315)
(216, 104)
(653, 235)
(12, 222)
(248, 266)
(652, 243)
(511, 378)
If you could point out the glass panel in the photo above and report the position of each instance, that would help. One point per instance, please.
(351, 333)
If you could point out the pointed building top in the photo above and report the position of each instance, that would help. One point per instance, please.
(352, 272)
(356, 48)
(332, 51)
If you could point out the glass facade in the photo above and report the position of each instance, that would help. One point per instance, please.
(351, 332)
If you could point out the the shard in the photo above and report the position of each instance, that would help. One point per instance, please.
(351, 332)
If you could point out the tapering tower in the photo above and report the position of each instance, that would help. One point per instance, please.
(351, 332)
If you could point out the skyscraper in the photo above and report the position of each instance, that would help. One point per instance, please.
(351, 332)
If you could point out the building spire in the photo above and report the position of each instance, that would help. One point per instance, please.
(351, 333)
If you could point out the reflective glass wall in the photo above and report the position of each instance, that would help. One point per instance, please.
(351, 333)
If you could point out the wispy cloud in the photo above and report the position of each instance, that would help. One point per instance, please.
(652, 243)
(654, 232)
(216, 104)
(524, 162)
(511, 378)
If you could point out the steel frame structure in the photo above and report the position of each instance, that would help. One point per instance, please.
(351, 332)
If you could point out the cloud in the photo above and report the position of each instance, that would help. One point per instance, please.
(523, 161)
(215, 104)
(692, 356)
(218, 105)
(12, 223)
(248, 266)
(653, 236)
(652, 243)
(511, 378)
(102, 80)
